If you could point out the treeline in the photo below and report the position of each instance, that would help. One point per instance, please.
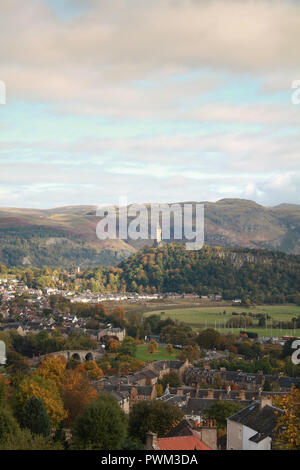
(259, 276)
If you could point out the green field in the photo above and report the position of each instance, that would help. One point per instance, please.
(143, 355)
(203, 317)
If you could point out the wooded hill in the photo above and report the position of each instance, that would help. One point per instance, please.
(261, 275)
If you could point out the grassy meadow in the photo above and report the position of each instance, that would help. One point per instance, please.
(161, 355)
(203, 317)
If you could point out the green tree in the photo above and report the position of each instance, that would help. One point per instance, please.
(221, 410)
(101, 426)
(217, 382)
(171, 378)
(8, 424)
(34, 417)
(17, 366)
(267, 386)
(23, 439)
(154, 416)
(128, 347)
(132, 443)
(209, 338)
(262, 322)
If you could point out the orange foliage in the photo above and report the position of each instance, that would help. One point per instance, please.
(77, 393)
(113, 345)
(53, 368)
(91, 369)
(45, 389)
(119, 313)
(288, 423)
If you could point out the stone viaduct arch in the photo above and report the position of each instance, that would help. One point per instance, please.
(78, 355)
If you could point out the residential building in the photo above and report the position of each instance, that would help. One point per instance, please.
(254, 427)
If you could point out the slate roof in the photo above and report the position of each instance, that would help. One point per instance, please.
(124, 389)
(149, 373)
(182, 429)
(176, 400)
(199, 405)
(185, 390)
(117, 394)
(262, 420)
(159, 365)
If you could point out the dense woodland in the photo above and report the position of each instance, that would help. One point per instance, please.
(259, 276)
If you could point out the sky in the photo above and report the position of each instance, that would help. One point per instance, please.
(154, 101)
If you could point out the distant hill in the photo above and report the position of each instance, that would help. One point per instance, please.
(67, 235)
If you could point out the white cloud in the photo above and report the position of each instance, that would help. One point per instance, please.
(281, 187)
(118, 59)
(129, 40)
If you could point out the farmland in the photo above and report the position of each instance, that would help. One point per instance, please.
(217, 317)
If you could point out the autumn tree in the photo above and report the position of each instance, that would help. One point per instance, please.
(159, 389)
(288, 422)
(189, 352)
(53, 368)
(113, 345)
(217, 382)
(44, 389)
(118, 315)
(76, 393)
(152, 347)
(170, 349)
(91, 369)
(126, 364)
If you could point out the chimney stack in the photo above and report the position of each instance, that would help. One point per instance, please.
(208, 433)
(265, 400)
(151, 441)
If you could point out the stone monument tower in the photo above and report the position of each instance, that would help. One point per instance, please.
(2, 353)
(158, 240)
